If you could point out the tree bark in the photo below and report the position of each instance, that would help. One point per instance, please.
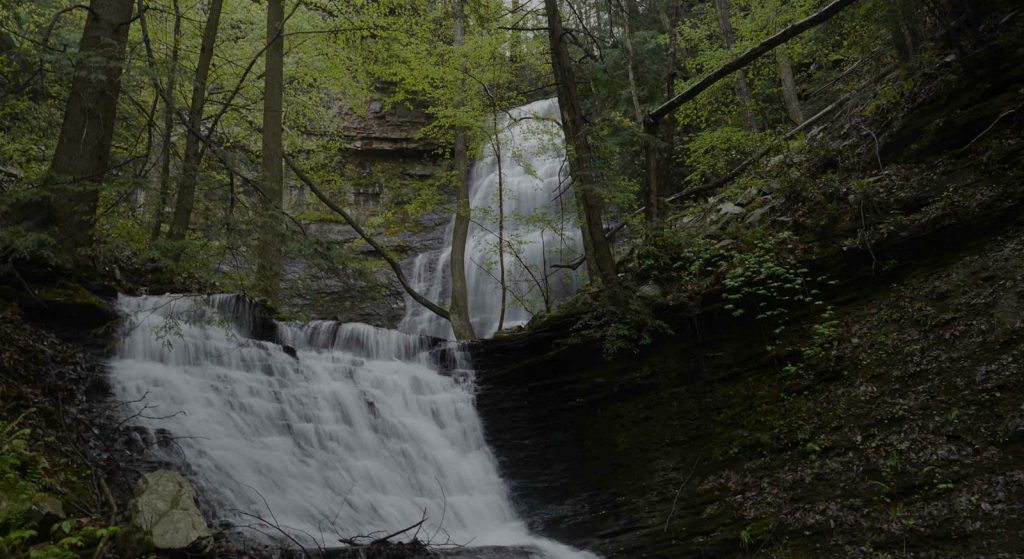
(166, 147)
(501, 229)
(193, 149)
(649, 142)
(742, 86)
(459, 309)
(83, 148)
(600, 263)
(789, 93)
(268, 249)
(668, 125)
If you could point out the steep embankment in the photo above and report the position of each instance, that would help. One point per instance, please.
(899, 432)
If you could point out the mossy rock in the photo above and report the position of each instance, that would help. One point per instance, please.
(69, 304)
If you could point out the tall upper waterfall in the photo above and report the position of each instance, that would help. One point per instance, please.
(528, 181)
(359, 430)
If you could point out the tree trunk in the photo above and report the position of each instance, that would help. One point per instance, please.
(649, 142)
(166, 147)
(268, 250)
(789, 94)
(668, 124)
(742, 86)
(501, 229)
(459, 309)
(83, 148)
(193, 149)
(600, 264)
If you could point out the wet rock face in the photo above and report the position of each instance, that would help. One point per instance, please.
(380, 129)
(385, 160)
(585, 444)
(68, 308)
(164, 509)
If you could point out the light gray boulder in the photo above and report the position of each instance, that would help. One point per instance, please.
(164, 509)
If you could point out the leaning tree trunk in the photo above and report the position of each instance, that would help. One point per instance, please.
(166, 143)
(268, 250)
(502, 279)
(83, 148)
(600, 264)
(789, 93)
(459, 310)
(193, 149)
(742, 85)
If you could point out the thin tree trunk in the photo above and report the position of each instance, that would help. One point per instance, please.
(193, 149)
(268, 249)
(83, 148)
(668, 125)
(501, 229)
(600, 264)
(462, 327)
(166, 147)
(789, 93)
(649, 143)
(631, 69)
(742, 86)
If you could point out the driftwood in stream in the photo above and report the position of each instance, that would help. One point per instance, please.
(417, 296)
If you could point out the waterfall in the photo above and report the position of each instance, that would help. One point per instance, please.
(346, 429)
(540, 229)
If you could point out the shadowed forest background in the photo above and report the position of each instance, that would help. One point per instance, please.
(734, 278)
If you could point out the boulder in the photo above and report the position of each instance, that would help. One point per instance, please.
(164, 509)
(729, 208)
(45, 512)
(650, 291)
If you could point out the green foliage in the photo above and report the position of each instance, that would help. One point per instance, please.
(620, 328)
(678, 256)
(716, 151)
(769, 284)
(25, 474)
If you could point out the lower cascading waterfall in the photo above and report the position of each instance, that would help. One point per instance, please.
(345, 430)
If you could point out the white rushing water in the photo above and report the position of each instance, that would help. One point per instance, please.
(363, 431)
(540, 230)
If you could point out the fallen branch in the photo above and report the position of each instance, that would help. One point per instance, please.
(991, 126)
(400, 532)
(747, 58)
(417, 296)
(278, 529)
(877, 52)
(354, 541)
(678, 491)
(738, 170)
